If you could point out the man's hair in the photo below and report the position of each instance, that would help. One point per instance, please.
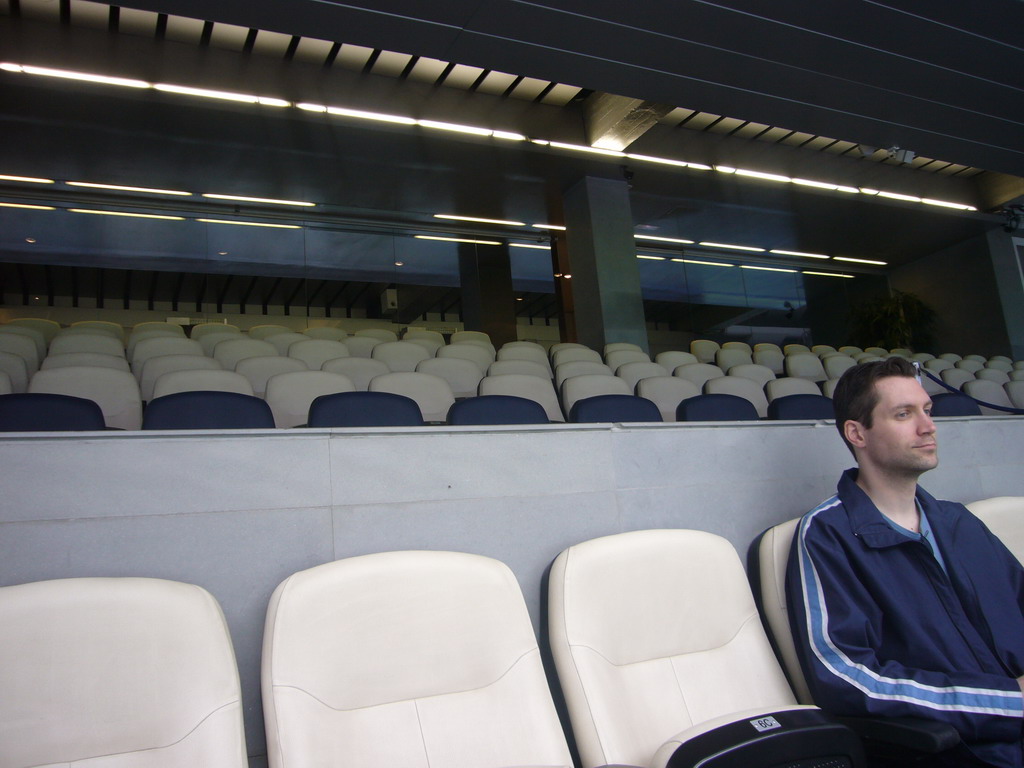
(855, 396)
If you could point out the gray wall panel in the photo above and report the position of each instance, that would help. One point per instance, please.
(237, 514)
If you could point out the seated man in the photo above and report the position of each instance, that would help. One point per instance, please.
(902, 605)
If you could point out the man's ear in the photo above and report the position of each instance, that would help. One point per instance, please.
(855, 433)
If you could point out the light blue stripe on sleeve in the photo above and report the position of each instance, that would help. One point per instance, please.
(869, 682)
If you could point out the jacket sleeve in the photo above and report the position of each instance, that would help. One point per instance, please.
(836, 625)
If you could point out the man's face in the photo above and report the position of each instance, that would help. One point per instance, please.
(901, 439)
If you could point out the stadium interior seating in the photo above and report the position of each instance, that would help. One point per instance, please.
(277, 363)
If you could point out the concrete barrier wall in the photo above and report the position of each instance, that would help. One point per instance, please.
(237, 512)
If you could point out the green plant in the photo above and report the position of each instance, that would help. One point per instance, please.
(898, 320)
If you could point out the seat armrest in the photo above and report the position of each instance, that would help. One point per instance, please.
(759, 739)
(911, 733)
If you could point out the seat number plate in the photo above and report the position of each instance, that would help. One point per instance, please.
(763, 724)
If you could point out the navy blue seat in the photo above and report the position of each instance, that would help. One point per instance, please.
(364, 409)
(804, 406)
(954, 404)
(203, 409)
(613, 408)
(716, 407)
(43, 412)
(497, 409)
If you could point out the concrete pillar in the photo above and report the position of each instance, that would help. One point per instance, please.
(1007, 253)
(488, 301)
(602, 250)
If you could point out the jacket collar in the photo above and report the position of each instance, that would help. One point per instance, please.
(865, 519)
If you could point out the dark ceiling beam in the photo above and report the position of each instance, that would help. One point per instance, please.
(334, 299)
(246, 293)
(176, 294)
(928, 77)
(126, 293)
(355, 299)
(615, 122)
(267, 296)
(50, 290)
(299, 285)
(201, 292)
(154, 278)
(223, 292)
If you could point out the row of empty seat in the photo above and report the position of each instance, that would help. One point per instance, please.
(430, 658)
(164, 362)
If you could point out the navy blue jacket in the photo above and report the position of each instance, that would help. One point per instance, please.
(881, 630)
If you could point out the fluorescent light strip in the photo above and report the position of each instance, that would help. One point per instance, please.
(816, 184)
(947, 204)
(454, 127)
(363, 115)
(558, 227)
(479, 220)
(732, 247)
(29, 207)
(127, 214)
(664, 239)
(583, 148)
(26, 179)
(506, 135)
(206, 93)
(826, 274)
(860, 261)
(267, 200)
(669, 161)
(651, 258)
(704, 263)
(249, 224)
(530, 245)
(456, 240)
(121, 188)
(760, 175)
(898, 196)
(798, 253)
(766, 269)
(65, 74)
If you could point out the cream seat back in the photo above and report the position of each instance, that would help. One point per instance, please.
(401, 355)
(1004, 516)
(523, 385)
(618, 357)
(326, 332)
(432, 394)
(115, 392)
(14, 366)
(258, 369)
(666, 392)
(230, 352)
(289, 395)
(462, 376)
(155, 367)
(315, 352)
(282, 341)
(37, 336)
(409, 659)
(479, 355)
(49, 328)
(653, 633)
(158, 346)
(138, 335)
(359, 370)
(99, 341)
(772, 558)
(672, 359)
(117, 672)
